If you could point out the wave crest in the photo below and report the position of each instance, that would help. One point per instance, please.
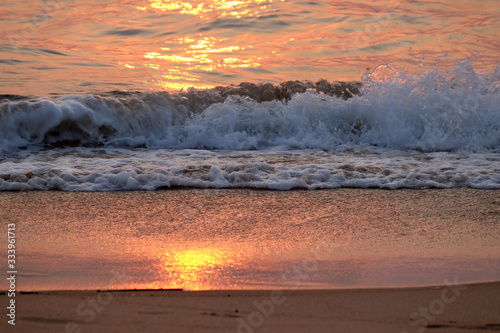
(432, 112)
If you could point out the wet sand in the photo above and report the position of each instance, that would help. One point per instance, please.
(248, 239)
(455, 308)
(220, 240)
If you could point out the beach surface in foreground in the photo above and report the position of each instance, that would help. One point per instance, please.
(448, 308)
(230, 239)
(366, 250)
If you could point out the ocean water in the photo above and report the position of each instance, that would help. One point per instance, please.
(122, 95)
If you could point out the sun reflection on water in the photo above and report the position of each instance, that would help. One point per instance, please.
(195, 269)
(101, 45)
(198, 8)
(205, 59)
(180, 58)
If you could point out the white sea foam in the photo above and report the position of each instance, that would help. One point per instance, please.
(100, 169)
(402, 131)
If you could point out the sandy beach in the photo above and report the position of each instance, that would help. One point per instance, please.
(453, 308)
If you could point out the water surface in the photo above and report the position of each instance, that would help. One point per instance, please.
(60, 47)
(244, 239)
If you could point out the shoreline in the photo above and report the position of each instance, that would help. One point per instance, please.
(257, 189)
(284, 289)
(448, 307)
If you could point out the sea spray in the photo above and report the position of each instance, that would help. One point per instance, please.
(431, 112)
(435, 130)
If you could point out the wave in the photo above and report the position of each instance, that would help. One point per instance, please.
(113, 169)
(433, 111)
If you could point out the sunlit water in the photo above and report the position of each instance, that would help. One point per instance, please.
(59, 47)
(244, 239)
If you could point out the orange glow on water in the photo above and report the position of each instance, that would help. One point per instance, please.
(198, 8)
(153, 45)
(180, 58)
(198, 52)
(194, 268)
(184, 56)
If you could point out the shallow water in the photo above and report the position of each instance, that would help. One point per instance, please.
(243, 239)
(61, 47)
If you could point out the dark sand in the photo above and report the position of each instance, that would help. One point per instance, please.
(466, 308)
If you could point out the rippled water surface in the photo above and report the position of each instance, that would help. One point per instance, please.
(62, 46)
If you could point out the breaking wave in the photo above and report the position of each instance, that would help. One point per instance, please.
(429, 112)
(392, 130)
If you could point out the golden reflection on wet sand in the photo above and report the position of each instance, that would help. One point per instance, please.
(195, 268)
(230, 239)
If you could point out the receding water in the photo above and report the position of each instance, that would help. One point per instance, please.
(244, 239)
